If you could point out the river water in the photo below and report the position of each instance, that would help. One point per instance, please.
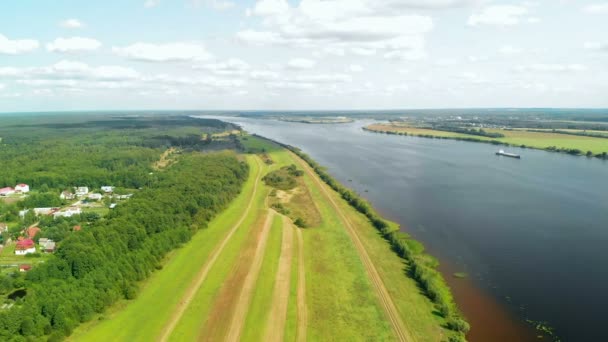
(531, 234)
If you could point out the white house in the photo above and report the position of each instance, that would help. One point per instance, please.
(107, 188)
(95, 196)
(22, 188)
(68, 212)
(82, 190)
(24, 247)
(66, 195)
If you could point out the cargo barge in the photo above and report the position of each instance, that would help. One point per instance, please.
(507, 154)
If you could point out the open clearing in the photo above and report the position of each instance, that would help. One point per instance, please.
(252, 275)
(514, 137)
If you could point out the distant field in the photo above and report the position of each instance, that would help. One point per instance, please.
(513, 137)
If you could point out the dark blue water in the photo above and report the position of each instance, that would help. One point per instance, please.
(532, 232)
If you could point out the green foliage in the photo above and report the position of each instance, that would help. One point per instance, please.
(283, 178)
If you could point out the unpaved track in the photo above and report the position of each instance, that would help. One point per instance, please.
(385, 299)
(301, 292)
(242, 306)
(202, 275)
(275, 326)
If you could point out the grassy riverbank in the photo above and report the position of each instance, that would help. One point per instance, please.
(573, 144)
(265, 279)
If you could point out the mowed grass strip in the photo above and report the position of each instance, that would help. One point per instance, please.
(341, 303)
(143, 318)
(540, 140)
(261, 303)
(193, 322)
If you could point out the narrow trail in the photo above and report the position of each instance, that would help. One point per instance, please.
(202, 275)
(240, 313)
(275, 326)
(385, 299)
(301, 292)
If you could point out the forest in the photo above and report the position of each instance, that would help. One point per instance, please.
(107, 259)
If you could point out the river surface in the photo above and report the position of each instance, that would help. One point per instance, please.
(532, 234)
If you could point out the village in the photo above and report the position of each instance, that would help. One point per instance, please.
(29, 237)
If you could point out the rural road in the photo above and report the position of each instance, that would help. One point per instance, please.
(275, 326)
(385, 299)
(196, 284)
(242, 306)
(301, 292)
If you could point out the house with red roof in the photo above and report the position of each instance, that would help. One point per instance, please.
(7, 191)
(25, 267)
(25, 246)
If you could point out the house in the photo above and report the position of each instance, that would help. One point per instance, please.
(7, 191)
(24, 247)
(107, 189)
(82, 190)
(25, 267)
(95, 196)
(68, 212)
(77, 228)
(47, 245)
(67, 195)
(112, 205)
(32, 231)
(22, 188)
(44, 211)
(23, 212)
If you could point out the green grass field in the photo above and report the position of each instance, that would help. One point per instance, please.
(341, 301)
(514, 137)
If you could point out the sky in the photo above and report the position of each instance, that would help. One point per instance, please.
(302, 54)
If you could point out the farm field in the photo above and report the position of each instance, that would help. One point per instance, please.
(514, 137)
(253, 275)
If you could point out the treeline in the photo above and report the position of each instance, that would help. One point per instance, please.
(581, 134)
(571, 151)
(471, 131)
(102, 263)
(422, 267)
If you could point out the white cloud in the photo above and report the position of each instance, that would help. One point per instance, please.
(17, 46)
(2, 86)
(498, 15)
(510, 50)
(301, 63)
(169, 52)
(70, 71)
(596, 46)
(73, 45)
(151, 3)
(232, 66)
(597, 8)
(356, 26)
(71, 24)
(221, 4)
(550, 68)
(534, 20)
(355, 68)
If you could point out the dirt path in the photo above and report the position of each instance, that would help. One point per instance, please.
(301, 292)
(202, 275)
(240, 313)
(385, 299)
(275, 326)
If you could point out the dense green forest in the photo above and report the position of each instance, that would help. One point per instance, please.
(104, 262)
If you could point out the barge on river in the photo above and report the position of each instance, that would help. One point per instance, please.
(507, 154)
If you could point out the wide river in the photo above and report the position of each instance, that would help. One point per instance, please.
(532, 234)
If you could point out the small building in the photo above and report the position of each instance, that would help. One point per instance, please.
(77, 228)
(47, 245)
(31, 232)
(82, 190)
(67, 195)
(22, 188)
(25, 246)
(107, 189)
(68, 212)
(95, 196)
(25, 267)
(7, 191)
(112, 205)
(44, 211)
